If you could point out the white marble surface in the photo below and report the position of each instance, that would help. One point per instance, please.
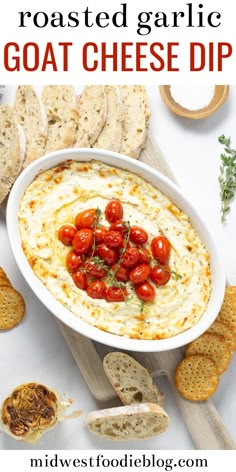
(35, 350)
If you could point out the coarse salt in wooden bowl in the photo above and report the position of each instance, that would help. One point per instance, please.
(218, 99)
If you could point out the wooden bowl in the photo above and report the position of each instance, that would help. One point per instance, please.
(220, 96)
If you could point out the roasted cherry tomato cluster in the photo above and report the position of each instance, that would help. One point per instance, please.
(103, 259)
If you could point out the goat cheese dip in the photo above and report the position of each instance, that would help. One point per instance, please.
(57, 195)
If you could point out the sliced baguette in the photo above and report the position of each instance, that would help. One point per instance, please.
(136, 119)
(111, 135)
(31, 115)
(12, 150)
(128, 422)
(131, 381)
(145, 103)
(60, 104)
(92, 109)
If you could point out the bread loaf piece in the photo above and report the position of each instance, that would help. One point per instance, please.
(60, 104)
(92, 109)
(31, 115)
(128, 422)
(12, 150)
(111, 134)
(145, 103)
(136, 119)
(131, 381)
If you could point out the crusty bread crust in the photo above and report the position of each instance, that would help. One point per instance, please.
(111, 134)
(131, 381)
(139, 421)
(92, 110)
(136, 119)
(31, 115)
(11, 150)
(60, 104)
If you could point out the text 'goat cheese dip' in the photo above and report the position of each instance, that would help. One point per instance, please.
(57, 195)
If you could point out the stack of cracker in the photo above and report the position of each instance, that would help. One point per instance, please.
(11, 302)
(197, 375)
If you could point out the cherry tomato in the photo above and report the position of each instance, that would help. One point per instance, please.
(97, 289)
(144, 256)
(119, 226)
(109, 255)
(80, 279)
(145, 292)
(85, 219)
(130, 258)
(138, 235)
(121, 274)
(100, 233)
(161, 275)
(91, 253)
(113, 239)
(66, 234)
(93, 269)
(83, 240)
(161, 249)
(140, 273)
(73, 261)
(116, 294)
(114, 211)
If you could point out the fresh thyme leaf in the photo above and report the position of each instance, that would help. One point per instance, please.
(96, 217)
(170, 271)
(227, 177)
(112, 273)
(142, 305)
(177, 276)
(154, 261)
(94, 226)
(99, 262)
(127, 225)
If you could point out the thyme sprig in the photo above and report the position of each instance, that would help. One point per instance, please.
(227, 177)
(100, 263)
(142, 306)
(166, 269)
(154, 261)
(94, 227)
(98, 212)
(112, 272)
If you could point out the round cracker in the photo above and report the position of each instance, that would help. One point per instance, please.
(227, 312)
(224, 330)
(213, 347)
(4, 281)
(196, 378)
(12, 307)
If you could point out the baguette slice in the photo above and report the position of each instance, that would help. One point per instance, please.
(12, 150)
(136, 119)
(128, 422)
(60, 104)
(111, 134)
(131, 381)
(31, 115)
(92, 109)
